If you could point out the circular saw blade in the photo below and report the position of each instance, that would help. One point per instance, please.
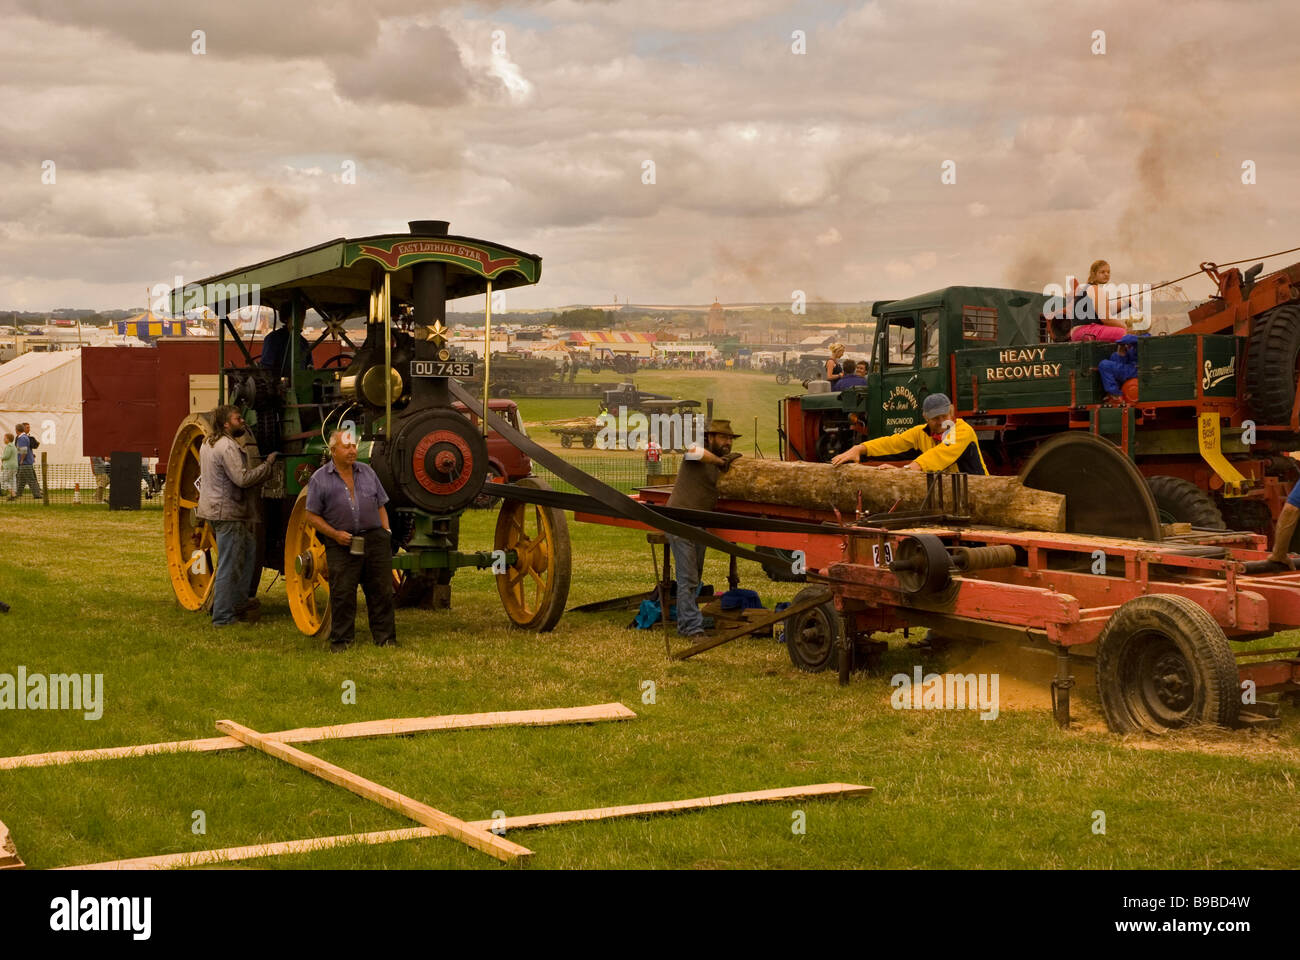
(1105, 494)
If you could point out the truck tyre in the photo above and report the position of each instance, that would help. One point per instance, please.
(1272, 359)
(813, 636)
(1181, 501)
(1163, 662)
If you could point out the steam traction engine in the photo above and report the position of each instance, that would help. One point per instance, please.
(393, 393)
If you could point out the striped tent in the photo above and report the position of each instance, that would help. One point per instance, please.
(148, 326)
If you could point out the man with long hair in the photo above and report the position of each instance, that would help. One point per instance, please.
(226, 489)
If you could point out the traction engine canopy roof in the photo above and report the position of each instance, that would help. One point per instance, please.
(336, 277)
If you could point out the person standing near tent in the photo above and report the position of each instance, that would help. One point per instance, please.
(99, 467)
(9, 468)
(26, 445)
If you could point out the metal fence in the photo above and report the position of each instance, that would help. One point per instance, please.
(69, 483)
(624, 474)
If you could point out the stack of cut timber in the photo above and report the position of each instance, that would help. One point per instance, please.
(995, 501)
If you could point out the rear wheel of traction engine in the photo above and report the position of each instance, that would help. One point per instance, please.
(1273, 362)
(811, 637)
(306, 575)
(1163, 662)
(535, 589)
(1181, 501)
(783, 377)
(190, 544)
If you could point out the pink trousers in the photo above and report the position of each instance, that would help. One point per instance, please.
(1096, 331)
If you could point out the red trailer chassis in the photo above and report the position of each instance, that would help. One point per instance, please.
(1041, 587)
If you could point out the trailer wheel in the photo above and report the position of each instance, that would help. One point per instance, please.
(811, 636)
(1181, 501)
(588, 440)
(1273, 360)
(566, 440)
(1163, 662)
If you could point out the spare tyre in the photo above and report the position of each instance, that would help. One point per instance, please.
(1273, 357)
(1181, 501)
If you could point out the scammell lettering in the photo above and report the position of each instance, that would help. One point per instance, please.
(1215, 375)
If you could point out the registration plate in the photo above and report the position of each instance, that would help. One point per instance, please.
(461, 369)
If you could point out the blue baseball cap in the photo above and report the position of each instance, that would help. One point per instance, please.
(934, 405)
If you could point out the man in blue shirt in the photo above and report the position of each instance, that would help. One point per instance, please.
(858, 378)
(345, 503)
(26, 462)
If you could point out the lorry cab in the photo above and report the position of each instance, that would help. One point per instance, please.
(912, 356)
(915, 339)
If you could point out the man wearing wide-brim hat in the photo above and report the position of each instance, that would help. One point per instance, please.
(696, 488)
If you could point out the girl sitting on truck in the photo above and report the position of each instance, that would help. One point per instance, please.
(1095, 318)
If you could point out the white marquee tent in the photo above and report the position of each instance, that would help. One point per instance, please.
(44, 389)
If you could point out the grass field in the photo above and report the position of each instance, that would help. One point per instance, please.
(89, 594)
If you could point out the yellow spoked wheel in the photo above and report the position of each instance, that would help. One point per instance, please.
(306, 575)
(536, 588)
(190, 543)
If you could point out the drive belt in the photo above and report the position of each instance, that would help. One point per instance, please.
(620, 503)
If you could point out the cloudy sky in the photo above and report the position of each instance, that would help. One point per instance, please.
(531, 124)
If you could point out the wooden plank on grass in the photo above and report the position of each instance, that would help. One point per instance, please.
(768, 618)
(198, 858)
(343, 731)
(445, 823)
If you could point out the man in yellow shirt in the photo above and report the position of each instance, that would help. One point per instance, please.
(946, 444)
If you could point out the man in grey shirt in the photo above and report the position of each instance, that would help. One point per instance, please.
(226, 491)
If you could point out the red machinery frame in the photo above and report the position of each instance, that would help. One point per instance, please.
(1034, 598)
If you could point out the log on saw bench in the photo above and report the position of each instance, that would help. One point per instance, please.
(994, 500)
